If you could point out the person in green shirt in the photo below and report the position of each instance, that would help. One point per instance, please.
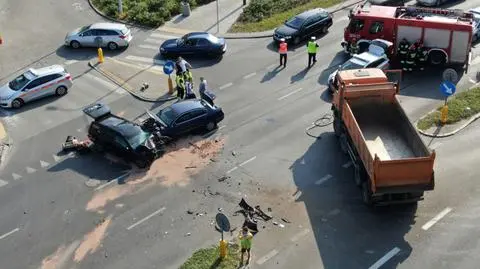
(245, 243)
(312, 51)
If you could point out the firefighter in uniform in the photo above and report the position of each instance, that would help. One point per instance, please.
(411, 58)
(403, 52)
(422, 54)
(353, 47)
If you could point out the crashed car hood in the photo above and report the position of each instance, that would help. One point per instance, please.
(6, 92)
(285, 30)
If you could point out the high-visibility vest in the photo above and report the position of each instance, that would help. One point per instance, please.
(312, 47)
(283, 48)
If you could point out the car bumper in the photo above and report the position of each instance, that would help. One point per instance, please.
(6, 104)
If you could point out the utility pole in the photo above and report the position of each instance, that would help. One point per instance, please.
(120, 7)
(218, 21)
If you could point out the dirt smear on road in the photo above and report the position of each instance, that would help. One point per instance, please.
(92, 241)
(52, 261)
(176, 167)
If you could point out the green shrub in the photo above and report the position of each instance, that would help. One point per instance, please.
(258, 10)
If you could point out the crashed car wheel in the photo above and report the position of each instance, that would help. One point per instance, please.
(210, 126)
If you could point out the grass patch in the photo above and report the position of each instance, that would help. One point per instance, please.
(262, 15)
(208, 258)
(462, 106)
(151, 13)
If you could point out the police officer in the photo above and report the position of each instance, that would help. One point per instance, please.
(403, 52)
(354, 47)
(312, 51)
(282, 50)
(180, 86)
(422, 54)
(411, 58)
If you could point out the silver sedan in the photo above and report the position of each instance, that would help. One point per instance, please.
(110, 35)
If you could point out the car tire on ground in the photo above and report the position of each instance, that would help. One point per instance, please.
(112, 46)
(61, 90)
(324, 29)
(17, 103)
(296, 40)
(210, 126)
(75, 44)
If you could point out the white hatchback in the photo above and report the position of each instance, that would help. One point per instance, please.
(35, 84)
(110, 35)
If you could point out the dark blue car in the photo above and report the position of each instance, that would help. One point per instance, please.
(184, 117)
(198, 43)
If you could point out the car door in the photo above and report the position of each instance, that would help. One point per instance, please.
(191, 46)
(182, 124)
(308, 28)
(50, 86)
(32, 90)
(203, 46)
(199, 118)
(87, 38)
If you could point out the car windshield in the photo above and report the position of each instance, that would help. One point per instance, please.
(213, 39)
(295, 22)
(167, 115)
(137, 138)
(19, 82)
(84, 28)
(182, 40)
(353, 64)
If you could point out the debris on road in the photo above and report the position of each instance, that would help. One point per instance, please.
(190, 212)
(269, 209)
(286, 220)
(234, 153)
(220, 209)
(190, 167)
(188, 234)
(223, 178)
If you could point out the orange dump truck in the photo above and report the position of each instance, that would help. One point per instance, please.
(392, 164)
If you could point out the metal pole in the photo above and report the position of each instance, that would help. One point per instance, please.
(120, 7)
(218, 23)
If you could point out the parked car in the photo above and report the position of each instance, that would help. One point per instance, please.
(476, 23)
(110, 35)
(186, 116)
(35, 84)
(431, 3)
(197, 43)
(388, 2)
(304, 25)
(122, 137)
(375, 57)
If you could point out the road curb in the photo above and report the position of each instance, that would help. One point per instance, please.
(124, 85)
(463, 126)
(105, 16)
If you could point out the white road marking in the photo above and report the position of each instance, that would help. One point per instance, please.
(247, 161)
(105, 83)
(267, 257)
(145, 60)
(221, 127)
(225, 86)
(9, 233)
(30, 170)
(347, 165)
(231, 170)
(472, 81)
(323, 179)
(271, 66)
(3, 183)
(288, 94)
(146, 218)
(385, 258)
(438, 217)
(299, 235)
(44, 164)
(249, 75)
(69, 62)
(56, 158)
(436, 145)
(16, 176)
(157, 42)
(149, 47)
(158, 35)
(112, 181)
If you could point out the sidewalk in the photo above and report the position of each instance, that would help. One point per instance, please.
(204, 18)
(448, 129)
(131, 78)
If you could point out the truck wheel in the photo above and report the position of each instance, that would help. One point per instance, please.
(367, 194)
(437, 58)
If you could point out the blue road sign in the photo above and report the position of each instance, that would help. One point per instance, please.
(168, 67)
(447, 88)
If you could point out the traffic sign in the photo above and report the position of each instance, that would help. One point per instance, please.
(447, 88)
(450, 75)
(168, 67)
(222, 222)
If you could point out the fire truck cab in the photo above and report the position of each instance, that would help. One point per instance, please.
(446, 33)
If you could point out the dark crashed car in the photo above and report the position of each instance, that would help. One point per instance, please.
(303, 26)
(194, 44)
(187, 116)
(122, 137)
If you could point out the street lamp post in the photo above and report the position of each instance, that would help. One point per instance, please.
(218, 23)
(120, 7)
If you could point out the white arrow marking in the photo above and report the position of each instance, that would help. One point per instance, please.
(30, 170)
(16, 176)
(44, 164)
(3, 183)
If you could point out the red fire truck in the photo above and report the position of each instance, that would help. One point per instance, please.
(446, 33)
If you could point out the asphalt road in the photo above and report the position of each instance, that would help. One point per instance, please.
(69, 211)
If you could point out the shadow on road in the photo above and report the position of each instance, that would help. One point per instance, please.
(197, 61)
(271, 74)
(347, 233)
(83, 54)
